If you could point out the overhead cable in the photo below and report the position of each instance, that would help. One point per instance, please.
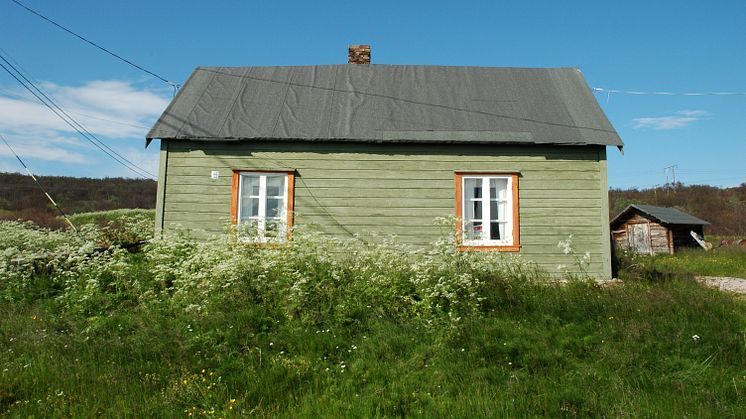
(113, 54)
(69, 120)
(19, 68)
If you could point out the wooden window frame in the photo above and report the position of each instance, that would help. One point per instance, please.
(289, 205)
(515, 246)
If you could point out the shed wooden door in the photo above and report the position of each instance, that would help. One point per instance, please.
(639, 238)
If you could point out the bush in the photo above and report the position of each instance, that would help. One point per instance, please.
(315, 279)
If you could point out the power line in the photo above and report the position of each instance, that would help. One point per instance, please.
(31, 78)
(113, 54)
(282, 164)
(69, 120)
(30, 173)
(113, 121)
(75, 124)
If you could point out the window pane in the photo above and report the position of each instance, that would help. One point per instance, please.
(249, 207)
(472, 188)
(473, 210)
(496, 230)
(498, 188)
(275, 185)
(473, 230)
(494, 213)
(274, 207)
(250, 186)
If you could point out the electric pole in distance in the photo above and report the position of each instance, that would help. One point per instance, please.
(672, 169)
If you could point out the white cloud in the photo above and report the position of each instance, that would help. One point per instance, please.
(680, 119)
(117, 112)
(112, 108)
(52, 148)
(693, 113)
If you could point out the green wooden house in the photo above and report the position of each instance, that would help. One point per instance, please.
(516, 155)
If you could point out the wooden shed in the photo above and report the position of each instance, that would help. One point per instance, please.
(651, 230)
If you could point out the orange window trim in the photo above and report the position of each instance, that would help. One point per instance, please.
(291, 194)
(516, 246)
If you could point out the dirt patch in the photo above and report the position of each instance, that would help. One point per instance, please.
(724, 283)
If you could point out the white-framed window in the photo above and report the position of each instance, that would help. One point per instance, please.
(262, 205)
(487, 209)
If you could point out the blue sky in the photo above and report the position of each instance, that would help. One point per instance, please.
(670, 46)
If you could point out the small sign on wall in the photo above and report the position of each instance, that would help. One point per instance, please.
(215, 175)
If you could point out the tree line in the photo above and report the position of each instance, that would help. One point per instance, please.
(21, 198)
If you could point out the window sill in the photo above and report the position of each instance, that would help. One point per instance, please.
(511, 248)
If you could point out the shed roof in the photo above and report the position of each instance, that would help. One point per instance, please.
(664, 215)
(387, 103)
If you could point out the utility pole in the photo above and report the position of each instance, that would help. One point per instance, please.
(672, 169)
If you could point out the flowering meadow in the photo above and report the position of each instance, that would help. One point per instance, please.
(324, 327)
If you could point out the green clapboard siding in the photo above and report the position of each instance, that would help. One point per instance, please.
(398, 189)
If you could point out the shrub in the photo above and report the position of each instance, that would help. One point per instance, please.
(315, 279)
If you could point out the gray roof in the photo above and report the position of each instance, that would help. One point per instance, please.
(662, 214)
(387, 103)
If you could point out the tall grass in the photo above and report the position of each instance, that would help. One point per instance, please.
(330, 328)
(729, 261)
(722, 261)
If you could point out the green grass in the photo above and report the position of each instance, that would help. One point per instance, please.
(720, 261)
(550, 351)
(321, 328)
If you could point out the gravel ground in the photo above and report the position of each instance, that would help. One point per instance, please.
(724, 283)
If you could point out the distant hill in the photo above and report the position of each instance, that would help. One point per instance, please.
(21, 198)
(724, 208)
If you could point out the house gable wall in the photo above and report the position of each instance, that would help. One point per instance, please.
(399, 189)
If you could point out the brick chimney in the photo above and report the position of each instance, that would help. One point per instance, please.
(358, 54)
